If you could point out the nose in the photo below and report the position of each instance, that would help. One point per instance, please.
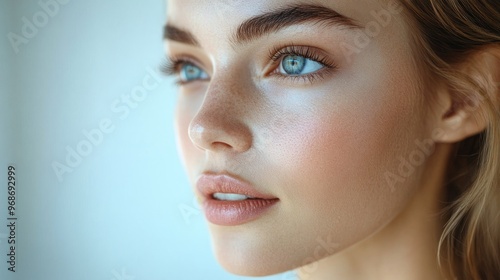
(220, 123)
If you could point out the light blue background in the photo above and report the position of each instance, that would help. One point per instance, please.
(118, 215)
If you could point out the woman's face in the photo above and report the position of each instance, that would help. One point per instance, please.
(316, 112)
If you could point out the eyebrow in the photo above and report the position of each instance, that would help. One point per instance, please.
(170, 32)
(274, 21)
(270, 22)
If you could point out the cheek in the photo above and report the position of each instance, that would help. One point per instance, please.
(327, 166)
(333, 164)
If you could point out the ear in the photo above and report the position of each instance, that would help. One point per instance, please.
(462, 108)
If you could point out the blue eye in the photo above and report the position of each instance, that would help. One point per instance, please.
(296, 65)
(190, 72)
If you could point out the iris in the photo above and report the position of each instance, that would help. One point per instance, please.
(190, 72)
(296, 65)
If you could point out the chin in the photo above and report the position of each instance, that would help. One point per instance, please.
(252, 264)
(257, 250)
(246, 251)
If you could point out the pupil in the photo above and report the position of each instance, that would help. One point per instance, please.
(294, 64)
(191, 72)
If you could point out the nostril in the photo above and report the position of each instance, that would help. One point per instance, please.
(220, 146)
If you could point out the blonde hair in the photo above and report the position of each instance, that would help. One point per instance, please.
(449, 34)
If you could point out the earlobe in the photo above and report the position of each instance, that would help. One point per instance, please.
(462, 109)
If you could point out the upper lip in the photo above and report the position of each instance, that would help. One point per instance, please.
(209, 183)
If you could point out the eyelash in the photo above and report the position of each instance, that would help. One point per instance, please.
(173, 65)
(278, 53)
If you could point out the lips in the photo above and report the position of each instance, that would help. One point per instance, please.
(230, 201)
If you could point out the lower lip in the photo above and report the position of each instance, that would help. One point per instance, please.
(233, 213)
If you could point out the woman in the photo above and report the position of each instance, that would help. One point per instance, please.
(343, 139)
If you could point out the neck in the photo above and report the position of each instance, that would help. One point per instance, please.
(406, 249)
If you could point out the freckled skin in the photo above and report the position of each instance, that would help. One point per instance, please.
(322, 148)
